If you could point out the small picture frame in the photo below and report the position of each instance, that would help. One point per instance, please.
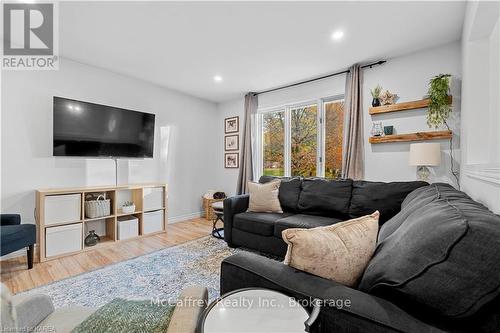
(231, 160)
(232, 142)
(232, 125)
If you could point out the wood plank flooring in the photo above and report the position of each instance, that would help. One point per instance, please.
(15, 275)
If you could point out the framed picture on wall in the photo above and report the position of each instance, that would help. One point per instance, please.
(232, 142)
(232, 124)
(231, 160)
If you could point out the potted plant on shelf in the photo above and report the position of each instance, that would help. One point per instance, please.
(128, 207)
(439, 107)
(376, 95)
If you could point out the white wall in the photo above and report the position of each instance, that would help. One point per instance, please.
(481, 103)
(407, 76)
(184, 141)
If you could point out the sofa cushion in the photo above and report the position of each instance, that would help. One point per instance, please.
(368, 197)
(443, 257)
(326, 197)
(257, 223)
(338, 252)
(264, 197)
(302, 221)
(289, 191)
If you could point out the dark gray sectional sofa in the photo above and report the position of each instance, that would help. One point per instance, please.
(309, 203)
(436, 268)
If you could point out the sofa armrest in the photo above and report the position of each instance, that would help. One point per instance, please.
(190, 306)
(10, 219)
(232, 206)
(344, 308)
(31, 310)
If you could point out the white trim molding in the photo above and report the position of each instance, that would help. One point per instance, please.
(489, 173)
(184, 217)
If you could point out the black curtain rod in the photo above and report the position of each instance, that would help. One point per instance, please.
(319, 78)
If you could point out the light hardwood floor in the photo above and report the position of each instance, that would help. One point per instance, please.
(16, 276)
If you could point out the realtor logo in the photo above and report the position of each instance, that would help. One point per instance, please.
(29, 36)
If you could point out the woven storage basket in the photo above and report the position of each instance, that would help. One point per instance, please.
(207, 207)
(97, 208)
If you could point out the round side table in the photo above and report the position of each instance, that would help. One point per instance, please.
(253, 310)
(218, 208)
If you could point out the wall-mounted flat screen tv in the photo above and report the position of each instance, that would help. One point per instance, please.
(92, 130)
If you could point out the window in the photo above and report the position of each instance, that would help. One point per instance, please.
(302, 140)
(273, 137)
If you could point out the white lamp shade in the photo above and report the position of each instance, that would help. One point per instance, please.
(425, 154)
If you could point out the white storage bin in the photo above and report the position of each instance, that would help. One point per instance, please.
(128, 227)
(63, 208)
(63, 239)
(153, 198)
(153, 221)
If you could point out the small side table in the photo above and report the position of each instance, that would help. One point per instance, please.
(218, 209)
(254, 310)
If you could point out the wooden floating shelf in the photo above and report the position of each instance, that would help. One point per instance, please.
(420, 104)
(419, 136)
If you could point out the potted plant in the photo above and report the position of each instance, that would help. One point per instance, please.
(439, 107)
(376, 95)
(128, 207)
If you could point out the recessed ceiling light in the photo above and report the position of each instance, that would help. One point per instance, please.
(337, 35)
(218, 78)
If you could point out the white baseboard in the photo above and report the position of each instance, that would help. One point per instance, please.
(179, 218)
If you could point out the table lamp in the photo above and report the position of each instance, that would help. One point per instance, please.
(424, 155)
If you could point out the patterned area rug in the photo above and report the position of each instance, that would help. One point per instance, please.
(162, 274)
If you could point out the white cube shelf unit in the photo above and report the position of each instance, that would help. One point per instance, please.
(62, 224)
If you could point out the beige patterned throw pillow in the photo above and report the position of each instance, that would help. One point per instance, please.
(264, 197)
(338, 252)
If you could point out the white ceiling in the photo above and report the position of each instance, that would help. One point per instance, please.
(253, 46)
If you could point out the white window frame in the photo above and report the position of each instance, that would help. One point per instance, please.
(286, 108)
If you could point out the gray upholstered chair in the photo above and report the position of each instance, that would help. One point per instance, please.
(15, 236)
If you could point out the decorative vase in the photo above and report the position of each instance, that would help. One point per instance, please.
(92, 238)
(388, 130)
(377, 129)
(375, 102)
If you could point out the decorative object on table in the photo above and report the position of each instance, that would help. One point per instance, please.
(387, 98)
(209, 194)
(388, 130)
(231, 160)
(232, 142)
(377, 129)
(219, 195)
(128, 207)
(218, 209)
(97, 208)
(272, 311)
(92, 238)
(439, 105)
(424, 155)
(338, 252)
(232, 125)
(376, 95)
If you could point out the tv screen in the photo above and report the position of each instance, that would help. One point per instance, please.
(93, 130)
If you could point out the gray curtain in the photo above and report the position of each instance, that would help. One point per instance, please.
(352, 156)
(246, 161)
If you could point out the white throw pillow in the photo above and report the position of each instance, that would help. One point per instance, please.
(264, 197)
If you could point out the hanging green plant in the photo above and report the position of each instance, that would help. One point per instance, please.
(439, 107)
